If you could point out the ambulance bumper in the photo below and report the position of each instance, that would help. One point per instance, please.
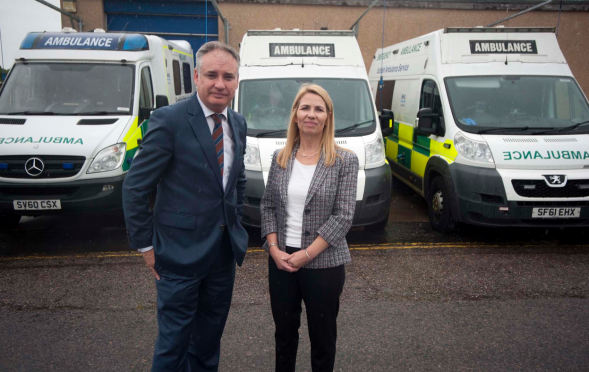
(373, 208)
(480, 199)
(87, 196)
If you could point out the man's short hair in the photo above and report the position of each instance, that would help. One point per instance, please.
(211, 46)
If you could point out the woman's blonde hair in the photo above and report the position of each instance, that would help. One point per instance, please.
(327, 145)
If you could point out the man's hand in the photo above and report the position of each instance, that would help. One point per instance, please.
(281, 258)
(298, 259)
(149, 258)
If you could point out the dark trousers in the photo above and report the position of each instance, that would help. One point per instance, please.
(191, 313)
(321, 290)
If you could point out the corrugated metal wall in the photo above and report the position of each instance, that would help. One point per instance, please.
(193, 21)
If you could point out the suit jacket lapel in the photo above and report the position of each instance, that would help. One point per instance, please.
(199, 125)
(286, 178)
(318, 178)
(238, 149)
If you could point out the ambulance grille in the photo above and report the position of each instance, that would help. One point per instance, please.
(519, 139)
(97, 121)
(342, 142)
(573, 189)
(280, 143)
(13, 166)
(560, 139)
(12, 121)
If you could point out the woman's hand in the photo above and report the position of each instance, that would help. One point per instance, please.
(281, 258)
(298, 259)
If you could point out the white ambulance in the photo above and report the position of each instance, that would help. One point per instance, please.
(274, 64)
(73, 110)
(489, 126)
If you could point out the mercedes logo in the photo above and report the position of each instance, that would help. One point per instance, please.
(34, 167)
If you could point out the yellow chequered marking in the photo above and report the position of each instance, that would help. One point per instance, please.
(406, 135)
(438, 148)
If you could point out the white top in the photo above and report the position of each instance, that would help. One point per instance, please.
(228, 147)
(298, 188)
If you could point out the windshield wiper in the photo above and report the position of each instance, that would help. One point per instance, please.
(269, 133)
(574, 126)
(30, 113)
(92, 113)
(516, 129)
(353, 126)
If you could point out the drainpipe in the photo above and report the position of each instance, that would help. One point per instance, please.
(223, 19)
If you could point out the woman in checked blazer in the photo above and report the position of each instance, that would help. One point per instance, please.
(307, 210)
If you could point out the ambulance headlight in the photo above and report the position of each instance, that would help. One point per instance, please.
(108, 159)
(374, 150)
(252, 155)
(473, 150)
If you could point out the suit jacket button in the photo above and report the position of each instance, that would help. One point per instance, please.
(307, 233)
(223, 227)
(307, 211)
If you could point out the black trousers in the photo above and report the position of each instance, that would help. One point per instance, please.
(321, 290)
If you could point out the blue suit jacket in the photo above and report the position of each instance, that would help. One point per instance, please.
(178, 157)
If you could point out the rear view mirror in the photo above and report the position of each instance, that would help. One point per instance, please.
(161, 101)
(387, 118)
(429, 123)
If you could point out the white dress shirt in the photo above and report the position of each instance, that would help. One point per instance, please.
(228, 146)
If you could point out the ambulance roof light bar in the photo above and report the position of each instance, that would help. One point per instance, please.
(297, 32)
(454, 30)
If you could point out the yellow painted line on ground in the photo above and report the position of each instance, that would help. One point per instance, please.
(353, 247)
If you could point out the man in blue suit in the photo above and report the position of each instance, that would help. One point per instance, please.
(193, 153)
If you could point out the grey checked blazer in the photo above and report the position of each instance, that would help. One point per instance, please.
(329, 207)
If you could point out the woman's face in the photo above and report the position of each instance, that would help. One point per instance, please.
(311, 115)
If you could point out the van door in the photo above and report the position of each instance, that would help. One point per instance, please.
(146, 104)
(429, 97)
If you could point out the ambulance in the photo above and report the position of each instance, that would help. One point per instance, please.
(274, 64)
(489, 126)
(73, 111)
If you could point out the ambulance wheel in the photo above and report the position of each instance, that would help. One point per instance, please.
(438, 206)
(9, 220)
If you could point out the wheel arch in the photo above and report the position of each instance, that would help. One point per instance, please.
(438, 166)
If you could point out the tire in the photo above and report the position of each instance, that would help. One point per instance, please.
(439, 211)
(379, 225)
(9, 220)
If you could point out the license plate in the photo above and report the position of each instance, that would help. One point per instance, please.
(556, 213)
(29, 205)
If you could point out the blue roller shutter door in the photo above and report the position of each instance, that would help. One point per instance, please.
(193, 21)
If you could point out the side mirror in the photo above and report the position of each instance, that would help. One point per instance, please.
(386, 122)
(144, 113)
(161, 101)
(429, 123)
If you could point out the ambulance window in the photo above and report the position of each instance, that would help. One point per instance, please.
(177, 81)
(430, 97)
(384, 96)
(186, 73)
(146, 94)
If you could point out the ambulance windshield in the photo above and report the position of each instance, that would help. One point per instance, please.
(266, 105)
(68, 89)
(481, 103)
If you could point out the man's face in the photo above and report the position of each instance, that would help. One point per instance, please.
(217, 81)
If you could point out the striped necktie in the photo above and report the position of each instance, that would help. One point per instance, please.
(218, 140)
